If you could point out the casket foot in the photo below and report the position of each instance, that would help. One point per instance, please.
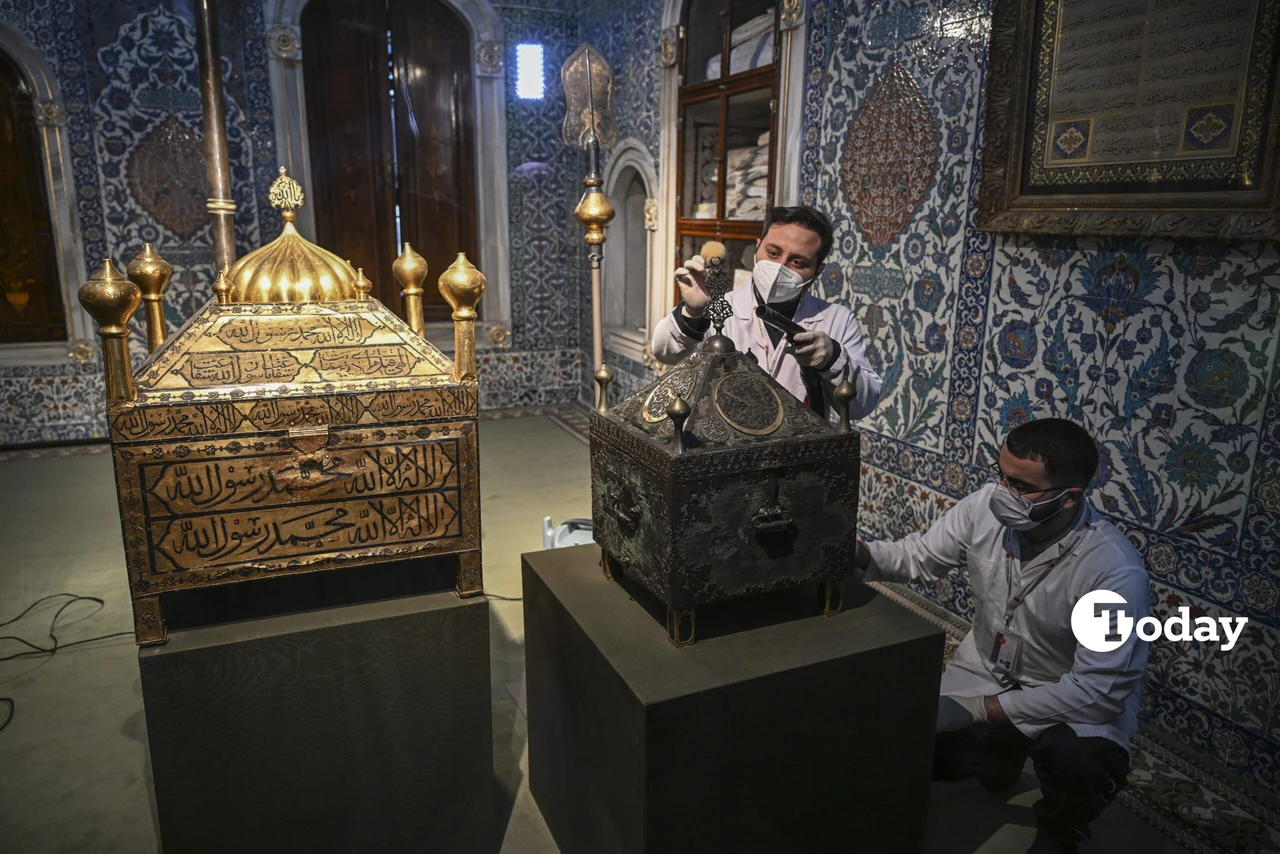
(680, 626)
(604, 565)
(148, 621)
(470, 580)
(832, 593)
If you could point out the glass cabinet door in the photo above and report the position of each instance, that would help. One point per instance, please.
(704, 41)
(748, 120)
(750, 34)
(700, 161)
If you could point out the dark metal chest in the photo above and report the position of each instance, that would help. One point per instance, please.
(763, 494)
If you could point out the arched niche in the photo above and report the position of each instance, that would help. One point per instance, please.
(284, 45)
(630, 258)
(59, 185)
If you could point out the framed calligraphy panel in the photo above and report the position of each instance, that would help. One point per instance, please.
(1144, 118)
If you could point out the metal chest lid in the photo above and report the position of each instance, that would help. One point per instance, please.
(732, 402)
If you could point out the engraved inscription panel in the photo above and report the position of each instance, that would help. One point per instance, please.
(271, 333)
(203, 370)
(269, 480)
(360, 362)
(251, 535)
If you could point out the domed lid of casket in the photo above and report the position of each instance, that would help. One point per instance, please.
(297, 321)
(291, 268)
(732, 400)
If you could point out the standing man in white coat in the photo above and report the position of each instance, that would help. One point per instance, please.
(1021, 684)
(789, 258)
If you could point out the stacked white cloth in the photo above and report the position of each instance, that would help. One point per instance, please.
(746, 183)
(750, 46)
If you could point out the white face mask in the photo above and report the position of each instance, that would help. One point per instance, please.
(1014, 511)
(776, 283)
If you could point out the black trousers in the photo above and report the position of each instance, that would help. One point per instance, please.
(1079, 777)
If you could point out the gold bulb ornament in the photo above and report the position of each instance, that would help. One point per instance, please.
(463, 285)
(151, 274)
(410, 270)
(111, 300)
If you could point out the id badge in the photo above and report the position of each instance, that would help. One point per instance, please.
(1006, 652)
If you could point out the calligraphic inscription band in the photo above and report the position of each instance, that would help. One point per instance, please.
(218, 511)
(1162, 85)
(275, 413)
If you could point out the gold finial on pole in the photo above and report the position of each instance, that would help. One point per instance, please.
(222, 287)
(462, 285)
(410, 270)
(362, 284)
(603, 376)
(151, 274)
(111, 299)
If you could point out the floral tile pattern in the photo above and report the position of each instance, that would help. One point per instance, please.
(127, 77)
(1165, 350)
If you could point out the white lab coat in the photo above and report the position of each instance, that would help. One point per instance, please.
(1095, 693)
(748, 334)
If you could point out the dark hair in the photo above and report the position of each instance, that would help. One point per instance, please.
(807, 217)
(1068, 452)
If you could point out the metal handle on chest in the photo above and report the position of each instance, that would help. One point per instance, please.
(772, 517)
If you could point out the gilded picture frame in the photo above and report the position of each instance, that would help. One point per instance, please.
(1140, 118)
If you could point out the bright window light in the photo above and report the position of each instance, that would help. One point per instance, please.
(529, 82)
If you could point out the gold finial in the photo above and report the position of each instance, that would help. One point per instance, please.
(286, 195)
(678, 412)
(410, 270)
(845, 392)
(603, 376)
(111, 299)
(151, 274)
(594, 212)
(222, 287)
(463, 285)
(362, 284)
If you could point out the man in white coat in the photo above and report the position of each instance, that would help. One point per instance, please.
(789, 258)
(1021, 684)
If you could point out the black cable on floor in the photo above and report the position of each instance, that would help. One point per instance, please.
(53, 625)
(72, 599)
(505, 598)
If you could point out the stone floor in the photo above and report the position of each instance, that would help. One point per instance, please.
(73, 775)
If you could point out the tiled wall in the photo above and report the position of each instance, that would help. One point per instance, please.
(130, 84)
(1165, 350)
(130, 87)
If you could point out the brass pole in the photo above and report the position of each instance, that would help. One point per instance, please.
(111, 299)
(217, 162)
(410, 270)
(463, 285)
(595, 213)
(151, 274)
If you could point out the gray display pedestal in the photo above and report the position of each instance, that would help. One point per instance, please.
(776, 731)
(357, 728)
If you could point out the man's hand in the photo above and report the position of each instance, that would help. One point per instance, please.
(993, 710)
(692, 278)
(957, 713)
(812, 349)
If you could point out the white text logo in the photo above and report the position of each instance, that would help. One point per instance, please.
(1091, 621)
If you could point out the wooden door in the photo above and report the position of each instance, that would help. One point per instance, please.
(390, 123)
(30, 291)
